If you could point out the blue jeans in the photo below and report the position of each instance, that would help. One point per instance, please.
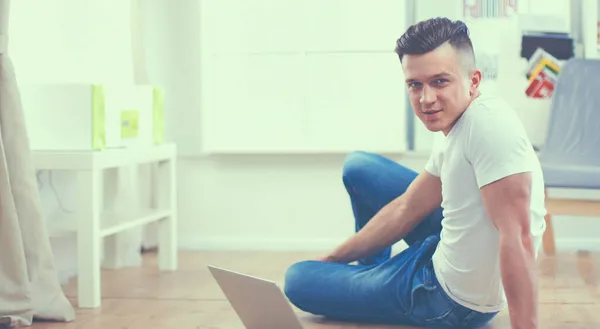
(401, 290)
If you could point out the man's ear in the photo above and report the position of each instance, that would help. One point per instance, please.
(475, 81)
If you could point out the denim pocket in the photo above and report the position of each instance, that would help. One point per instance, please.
(429, 302)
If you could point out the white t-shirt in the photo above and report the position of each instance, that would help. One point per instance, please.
(487, 143)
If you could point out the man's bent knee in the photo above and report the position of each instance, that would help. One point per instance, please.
(357, 164)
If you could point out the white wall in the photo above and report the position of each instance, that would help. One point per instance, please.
(237, 201)
(272, 202)
(71, 41)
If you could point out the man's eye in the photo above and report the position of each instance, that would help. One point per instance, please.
(414, 84)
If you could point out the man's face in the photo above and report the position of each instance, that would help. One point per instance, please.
(439, 86)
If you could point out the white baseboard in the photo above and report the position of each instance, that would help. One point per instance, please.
(570, 244)
(325, 244)
(233, 243)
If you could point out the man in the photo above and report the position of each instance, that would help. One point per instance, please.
(473, 219)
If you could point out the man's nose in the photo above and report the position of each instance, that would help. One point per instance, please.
(427, 95)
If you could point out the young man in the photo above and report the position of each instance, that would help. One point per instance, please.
(473, 219)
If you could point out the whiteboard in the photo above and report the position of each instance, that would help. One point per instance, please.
(282, 76)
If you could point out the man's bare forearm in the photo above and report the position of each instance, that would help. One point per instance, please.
(517, 265)
(393, 221)
(387, 227)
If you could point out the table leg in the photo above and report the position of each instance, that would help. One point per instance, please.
(88, 238)
(167, 240)
(117, 246)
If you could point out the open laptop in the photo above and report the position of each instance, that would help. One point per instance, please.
(259, 303)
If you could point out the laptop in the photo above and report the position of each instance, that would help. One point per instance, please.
(259, 303)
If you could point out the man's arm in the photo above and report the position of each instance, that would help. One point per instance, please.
(393, 221)
(507, 204)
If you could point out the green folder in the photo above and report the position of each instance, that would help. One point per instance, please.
(98, 117)
(158, 109)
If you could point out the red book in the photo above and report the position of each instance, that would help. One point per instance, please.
(541, 87)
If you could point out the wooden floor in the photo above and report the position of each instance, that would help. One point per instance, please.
(143, 298)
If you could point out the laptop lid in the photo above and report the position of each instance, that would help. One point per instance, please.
(259, 303)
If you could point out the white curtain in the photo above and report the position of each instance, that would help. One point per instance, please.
(29, 287)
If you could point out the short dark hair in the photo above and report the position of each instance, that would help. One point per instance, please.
(429, 34)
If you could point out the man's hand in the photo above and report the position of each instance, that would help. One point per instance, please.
(327, 259)
(508, 204)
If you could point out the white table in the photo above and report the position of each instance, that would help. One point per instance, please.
(94, 224)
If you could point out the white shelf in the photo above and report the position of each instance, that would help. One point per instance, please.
(108, 158)
(112, 224)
